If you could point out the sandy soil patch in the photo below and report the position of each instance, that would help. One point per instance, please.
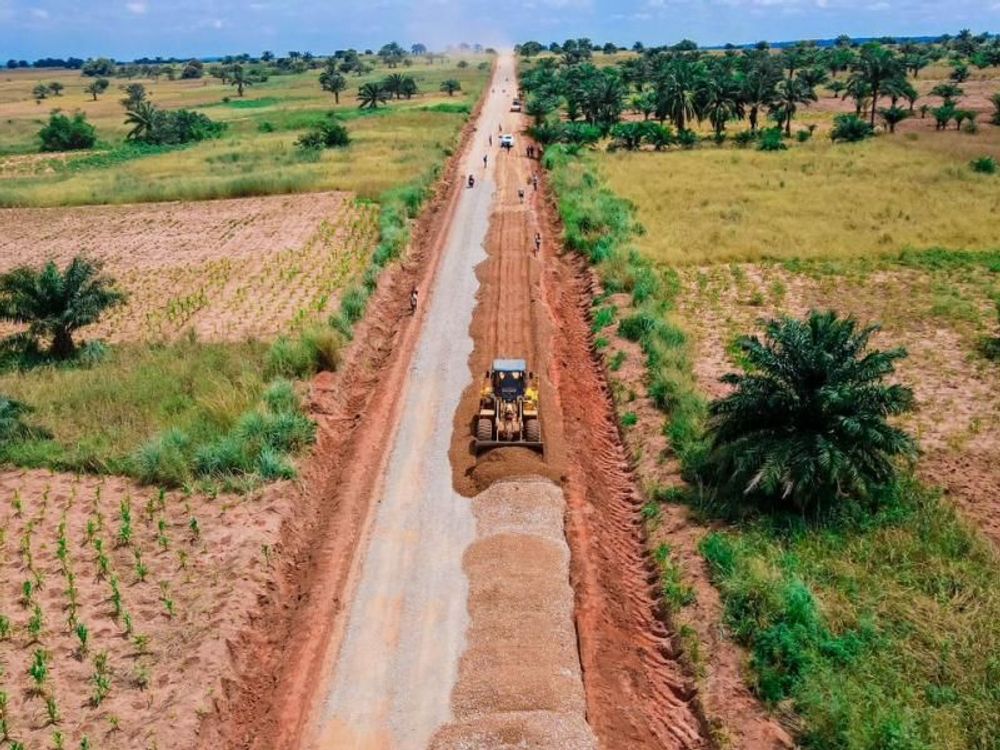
(227, 270)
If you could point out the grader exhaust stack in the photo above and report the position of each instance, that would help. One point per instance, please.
(508, 408)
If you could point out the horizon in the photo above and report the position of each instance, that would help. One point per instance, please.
(145, 28)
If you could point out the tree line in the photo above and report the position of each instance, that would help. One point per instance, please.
(684, 85)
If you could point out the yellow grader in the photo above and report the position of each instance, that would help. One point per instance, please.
(508, 408)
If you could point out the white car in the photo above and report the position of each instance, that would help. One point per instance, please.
(507, 141)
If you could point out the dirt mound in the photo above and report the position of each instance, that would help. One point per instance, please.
(536, 729)
(519, 681)
(504, 463)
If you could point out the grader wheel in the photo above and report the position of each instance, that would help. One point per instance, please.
(532, 431)
(484, 430)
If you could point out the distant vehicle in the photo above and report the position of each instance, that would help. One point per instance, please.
(515, 105)
(507, 141)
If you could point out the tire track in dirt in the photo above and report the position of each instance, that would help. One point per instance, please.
(638, 694)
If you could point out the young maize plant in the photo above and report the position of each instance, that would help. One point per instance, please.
(161, 536)
(83, 635)
(35, 624)
(141, 569)
(4, 627)
(27, 593)
(52, 710)
(125, 528)
(39, 670)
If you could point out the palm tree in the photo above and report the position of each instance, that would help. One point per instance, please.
(56, 303)
(603, 98)
(892, 116)
(995, 101)
(239, 78)
(371, 95)
(393, 84)
(789, 94)
(876, 66)
(333, 81)
(677, 91)
(860, 92)
(450, 86)
(806, 423)
(758, 85)
(142, 117)
(720, 101)
(409, 87)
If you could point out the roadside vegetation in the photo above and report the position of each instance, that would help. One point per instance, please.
(861, 594)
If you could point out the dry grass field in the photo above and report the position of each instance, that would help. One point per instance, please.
(255, 156)
(815, 200)
(228, 270)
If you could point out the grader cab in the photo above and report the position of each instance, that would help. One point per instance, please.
(508, 408)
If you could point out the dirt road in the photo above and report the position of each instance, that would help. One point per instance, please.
(454, 601)
(437, 572)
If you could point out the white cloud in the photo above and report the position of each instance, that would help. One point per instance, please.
(40, 13)
(137, 6)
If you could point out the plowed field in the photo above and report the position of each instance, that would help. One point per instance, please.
(228, 270)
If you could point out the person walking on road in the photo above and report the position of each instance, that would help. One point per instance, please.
(538, 242)
(486, 159)
(534, 181)
(413, 300)
(491, 139)
(520, 194)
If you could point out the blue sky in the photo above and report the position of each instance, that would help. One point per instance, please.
(130, 28)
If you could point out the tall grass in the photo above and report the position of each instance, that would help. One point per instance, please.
(99, 414)
(816, 200)
(883, 632)
(601, 226)
(169, 415)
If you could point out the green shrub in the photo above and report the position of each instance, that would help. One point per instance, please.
(353, 303)
(13, 428)
(745, 138)
(850, 129)
(984, 165)
(67, 133)
(280, 396)
(687, 138)
(330, 134)
(771, 139)
(638, 326)
(314, 350)
(271, 465)
(604, 316)
(163, 460)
